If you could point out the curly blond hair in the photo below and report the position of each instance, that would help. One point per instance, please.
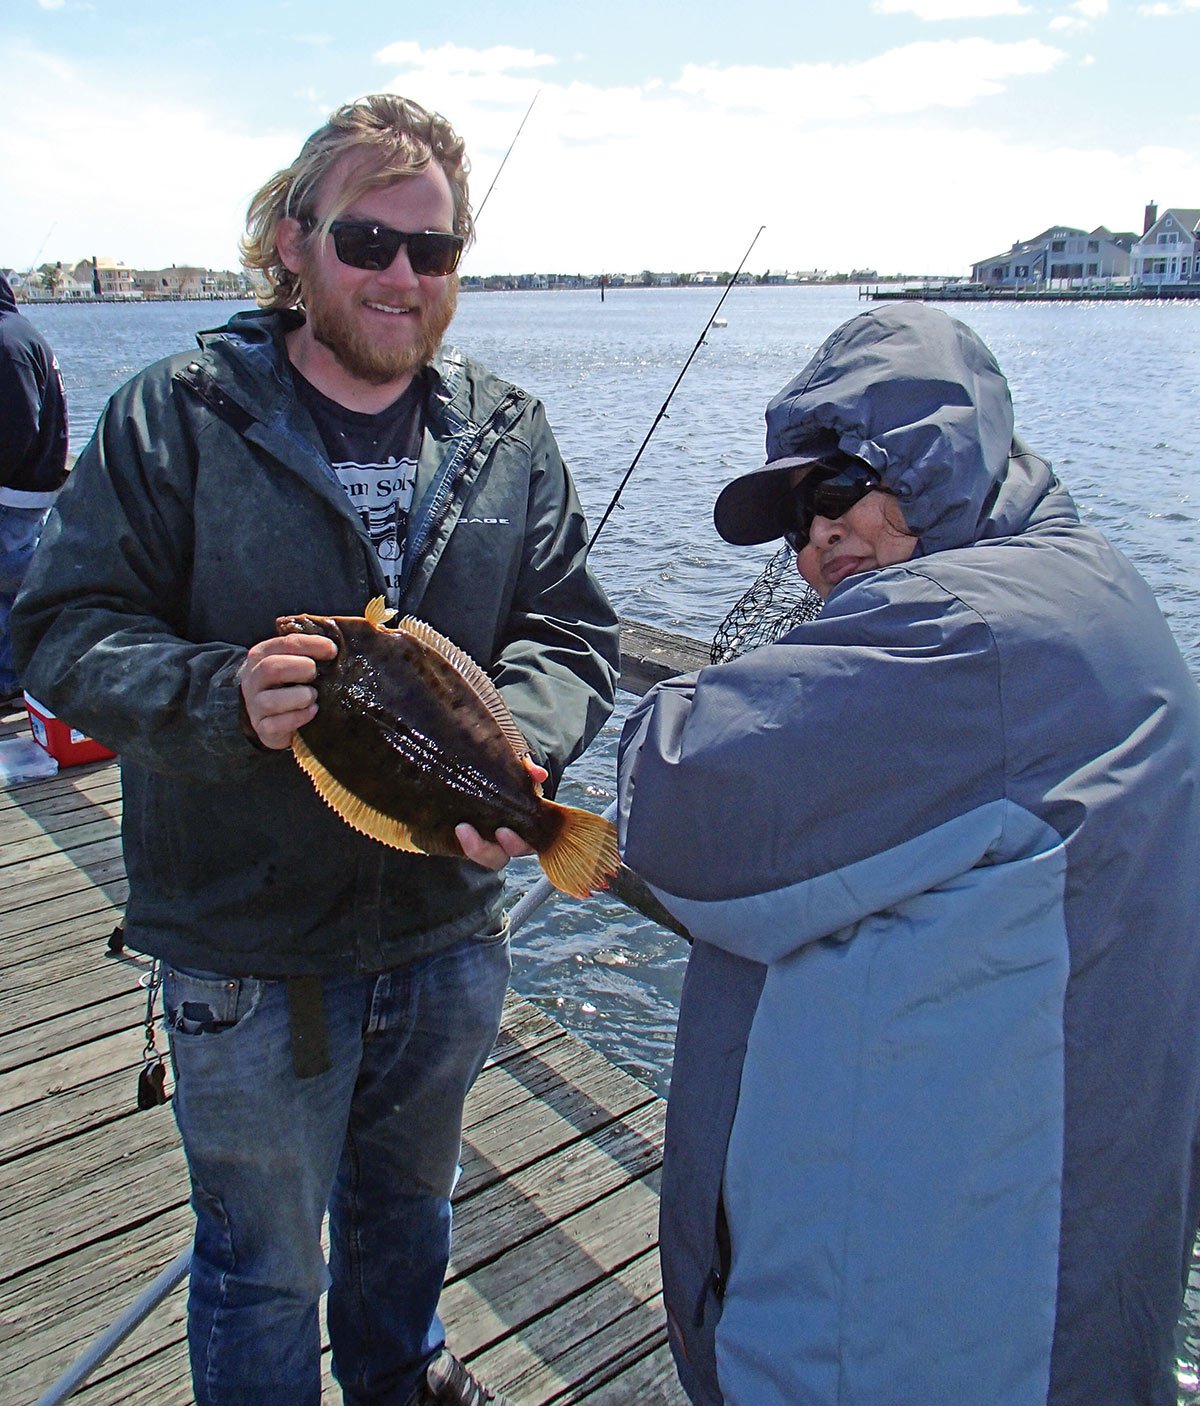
(396, 137)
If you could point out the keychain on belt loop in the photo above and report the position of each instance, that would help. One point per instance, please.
(150, 1090)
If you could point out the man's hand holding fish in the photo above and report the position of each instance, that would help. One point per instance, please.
(277, 686)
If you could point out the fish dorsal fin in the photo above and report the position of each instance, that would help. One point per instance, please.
(473, 674)
(360, 816)
(378, 612)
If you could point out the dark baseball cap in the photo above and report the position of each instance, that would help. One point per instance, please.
(755, 508)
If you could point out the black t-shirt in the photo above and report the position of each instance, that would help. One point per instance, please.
(375, 458)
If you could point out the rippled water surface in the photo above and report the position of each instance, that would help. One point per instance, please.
(1108, 393)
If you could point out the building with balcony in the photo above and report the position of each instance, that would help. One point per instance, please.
(1169, 249)
(1057, 255)
(106, 277)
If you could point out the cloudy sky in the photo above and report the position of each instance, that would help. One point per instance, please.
(910, 136)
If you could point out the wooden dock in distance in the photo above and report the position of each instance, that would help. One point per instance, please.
(553, 1293)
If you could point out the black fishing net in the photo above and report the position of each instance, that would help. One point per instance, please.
(778, 601)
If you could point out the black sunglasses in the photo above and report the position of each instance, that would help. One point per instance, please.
(363, 244)
(827, 491)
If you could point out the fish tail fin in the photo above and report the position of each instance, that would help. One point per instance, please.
(583, 856)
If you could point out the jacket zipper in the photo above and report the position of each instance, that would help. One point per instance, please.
(445, 496)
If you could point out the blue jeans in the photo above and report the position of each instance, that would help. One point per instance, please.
(20, 529)
(375, 1139)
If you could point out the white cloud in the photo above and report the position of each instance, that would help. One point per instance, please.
(1083, 14)
(951, 9)
(885, 163)
(852, 165)
(147, 182)
(51, 4)
(914, 78)
(1176, 7)
(454, 59)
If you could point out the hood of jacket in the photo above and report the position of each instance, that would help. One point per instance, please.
(918, 395)
(8, 303)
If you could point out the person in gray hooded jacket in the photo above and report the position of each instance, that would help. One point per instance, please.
(329, 1000)
(935, 1106)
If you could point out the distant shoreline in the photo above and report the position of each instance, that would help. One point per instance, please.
(115, 300)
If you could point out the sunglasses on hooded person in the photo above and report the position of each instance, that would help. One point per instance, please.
(366, 244)
(828, 491)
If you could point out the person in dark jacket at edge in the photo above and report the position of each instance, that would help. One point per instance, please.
(33, 458)
(933, 1118)
(329, 1000)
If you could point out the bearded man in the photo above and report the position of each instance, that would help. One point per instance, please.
(329, 1000)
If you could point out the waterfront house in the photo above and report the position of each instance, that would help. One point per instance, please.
(179, 281)
(1060, 253)
(1169, 249)
(51, 284)
(106, 277)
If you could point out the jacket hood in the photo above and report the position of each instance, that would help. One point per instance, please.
(8, 303)
(916, 394)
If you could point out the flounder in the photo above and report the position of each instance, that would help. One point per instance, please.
(411, 737)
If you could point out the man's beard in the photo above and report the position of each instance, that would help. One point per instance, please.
(334, 327)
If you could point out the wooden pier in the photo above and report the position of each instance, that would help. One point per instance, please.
(553, 1293)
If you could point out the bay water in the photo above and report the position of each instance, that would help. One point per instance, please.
(1107, 392)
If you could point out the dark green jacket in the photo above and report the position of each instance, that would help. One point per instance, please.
(203, 508)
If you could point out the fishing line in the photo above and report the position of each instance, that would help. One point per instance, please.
(511, 144)
(42, 250)
(663, 408)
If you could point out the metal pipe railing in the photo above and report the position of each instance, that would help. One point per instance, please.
(83, 1367)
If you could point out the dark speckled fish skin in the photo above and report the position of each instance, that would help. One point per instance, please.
(402, 729)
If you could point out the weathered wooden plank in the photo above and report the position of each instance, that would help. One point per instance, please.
(60, 795)
(54, 1118)
(51, 1204)
(104, 870)
(67, 1069)
(531, 1129)
(71, 981)
(88, 1290)
(162, 1379)
(589, 1338)
(503, 1304)
(68, 1031)
(649, 655)
(73, 1088)
(530, 1198)
(502, 1295)
(60, 837)
(650, 1381)
(70, 948)
(62, 919)
(84, 859)
(22, 807)
(500, 1104)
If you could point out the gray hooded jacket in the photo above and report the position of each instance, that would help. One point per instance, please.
(936, 1094)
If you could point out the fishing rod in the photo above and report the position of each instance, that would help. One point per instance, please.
(511, 144)
(41, 251)
(663, 408)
